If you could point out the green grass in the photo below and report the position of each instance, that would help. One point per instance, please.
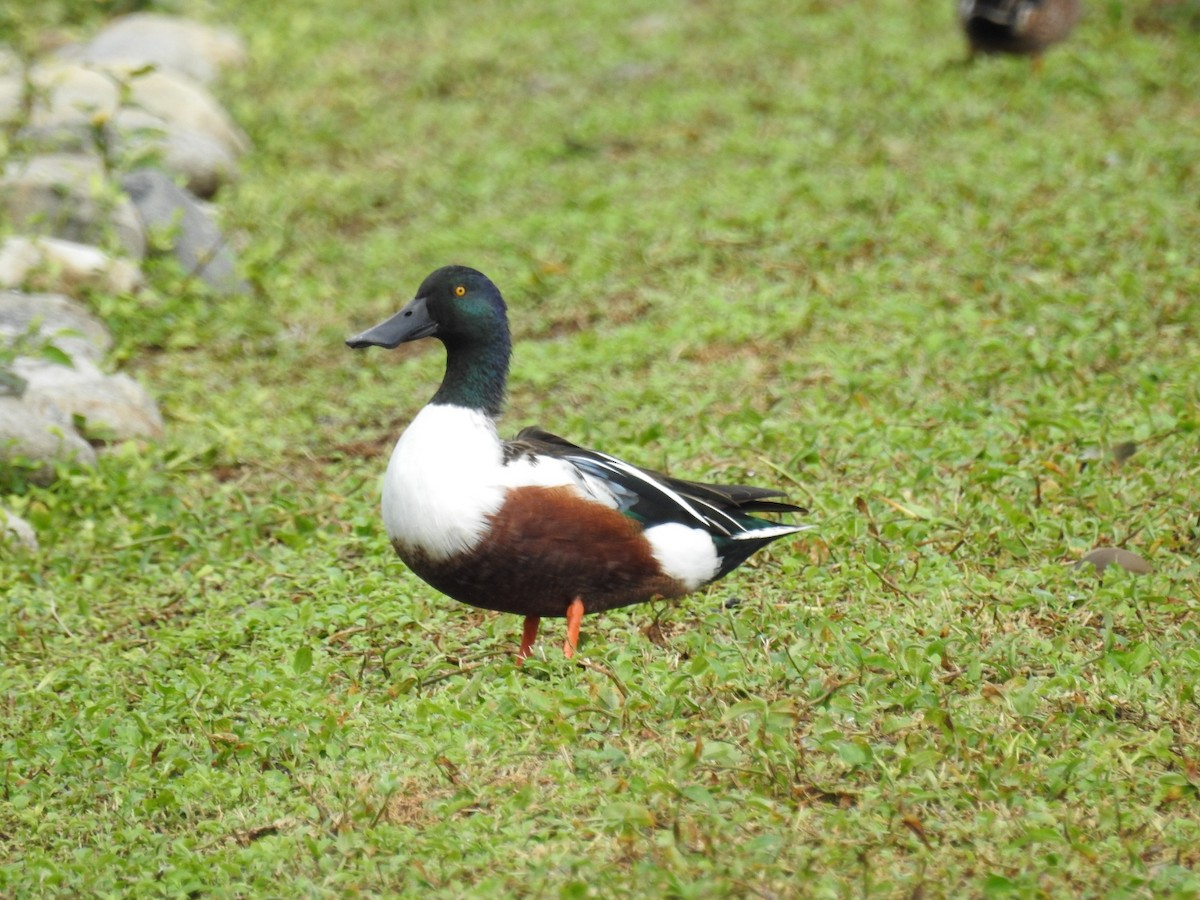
(800, 246)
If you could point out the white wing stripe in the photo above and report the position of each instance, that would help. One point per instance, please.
(777, 531)
(616, 465)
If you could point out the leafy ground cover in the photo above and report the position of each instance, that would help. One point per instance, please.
(805, 247)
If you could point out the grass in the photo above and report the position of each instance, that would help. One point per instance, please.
(798, 246)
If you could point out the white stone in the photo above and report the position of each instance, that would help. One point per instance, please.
(68, 325)
(53, 264)
(204, 163)
(165, 114)
(114, 406)
(68, 196)
(43, 437)
(194, 49)
(182, 104)
(16, 530)
(79, 93)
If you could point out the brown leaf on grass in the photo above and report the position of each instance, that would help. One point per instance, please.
(865, 511)
(1103, 557)
(654, 634)
(248, 836)
(914, 824)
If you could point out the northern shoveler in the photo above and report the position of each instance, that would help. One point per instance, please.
(1025, 27)
(538, 526)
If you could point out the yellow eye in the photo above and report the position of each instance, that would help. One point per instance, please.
(459, 291)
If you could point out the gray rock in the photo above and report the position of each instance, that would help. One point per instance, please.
(185, 105)
(10, 89)
(89, 338)
(16, 530)
(198, 51)
(64, 195)
(40, 439)
(56, 265)
(10, 63)
(195, 239)
(115, 407)
(69, 101)
(204, 163)
(165, 116)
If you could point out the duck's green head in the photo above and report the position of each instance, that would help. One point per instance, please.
(463, 309)
(455, 304)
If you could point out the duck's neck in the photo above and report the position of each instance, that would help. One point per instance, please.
(476, 374)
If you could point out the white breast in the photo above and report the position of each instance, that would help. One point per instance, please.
(447, 476)
(443, 481)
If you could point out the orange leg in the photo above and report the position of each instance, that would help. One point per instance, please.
(528, 636)
(574, 617)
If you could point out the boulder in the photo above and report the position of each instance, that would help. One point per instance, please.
(165, 116)
(190, 48)
(114, 407)
(66, 195)
(68, 325)
(195, 240)
(39, 438)
(15, 530)
(204, 163)
(53, 264)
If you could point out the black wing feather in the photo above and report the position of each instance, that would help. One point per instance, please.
(722, 501)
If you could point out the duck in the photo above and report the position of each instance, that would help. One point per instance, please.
(1020, 27)
(538, 526)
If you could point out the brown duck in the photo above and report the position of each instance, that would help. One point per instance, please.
(1020, 27)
